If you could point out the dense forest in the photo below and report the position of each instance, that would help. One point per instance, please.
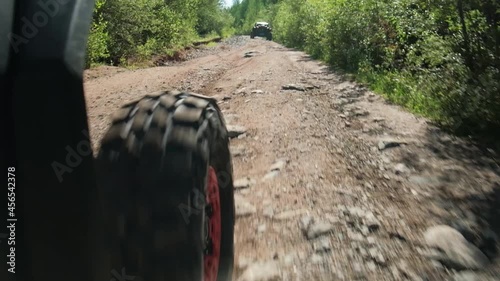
(438, 58)
(127, 31)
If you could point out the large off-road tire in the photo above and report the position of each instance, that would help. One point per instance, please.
(269, 37)
(166, 190)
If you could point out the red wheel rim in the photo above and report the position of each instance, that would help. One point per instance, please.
(212, 256)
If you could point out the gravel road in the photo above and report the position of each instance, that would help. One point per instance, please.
(333, 182)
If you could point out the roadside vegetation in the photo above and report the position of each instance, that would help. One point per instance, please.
(126, 32)
(440, 59)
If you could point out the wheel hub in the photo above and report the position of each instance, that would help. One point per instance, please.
(214, 228)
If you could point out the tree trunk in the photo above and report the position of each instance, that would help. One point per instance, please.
(466, 43)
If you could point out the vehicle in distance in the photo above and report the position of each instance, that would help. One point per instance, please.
(262, 29)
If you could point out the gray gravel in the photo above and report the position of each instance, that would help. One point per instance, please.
(228, 44)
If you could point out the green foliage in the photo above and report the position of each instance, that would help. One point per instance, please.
(125, 31)
(290, 18)
(216, 20)
(97, 46)
(141, 28)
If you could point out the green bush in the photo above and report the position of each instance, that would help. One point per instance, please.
(97, 46)
(134, 30)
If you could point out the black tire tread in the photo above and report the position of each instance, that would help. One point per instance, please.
(151, 160)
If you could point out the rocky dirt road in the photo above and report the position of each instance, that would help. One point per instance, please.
(333, 183)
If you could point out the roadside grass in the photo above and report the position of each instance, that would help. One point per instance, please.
(402, 91)
(211, 45)
(146, 59)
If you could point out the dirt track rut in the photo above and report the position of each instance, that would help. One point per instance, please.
(336, 184)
